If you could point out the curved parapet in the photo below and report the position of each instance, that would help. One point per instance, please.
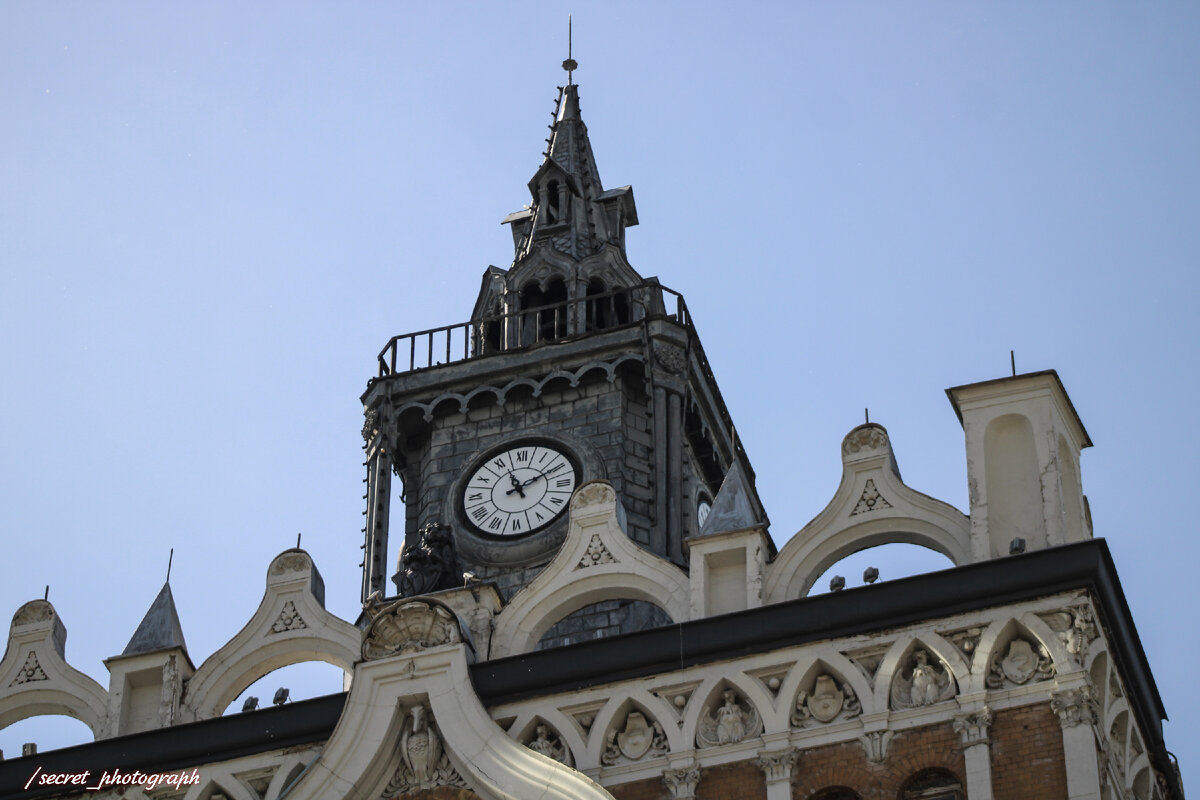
(413, 722)
(35, 678)
(596, 562)
(290, 626)
(872, 506)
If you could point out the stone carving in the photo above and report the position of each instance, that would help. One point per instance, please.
(777, 766)
(966, 640)
(729, 723)
(1074, 706)
(682, 782)
(1114, 686)
(596, 553)
(973, 728)
(548, 744)
(825, 702)
(428, 563)
(876, 744)
(408, 626)
(1019, 664)
(635, 740)
(290, 562)
(1075, 627)
(871, 500)
(370, 424)
(480, 622)
(33, 611)
(424, 763)
(289, 619)
(30, 671)
(925, 685)
(866, 437)
(671, 358)
(593, 494)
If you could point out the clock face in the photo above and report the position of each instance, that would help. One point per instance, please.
(520, 489)
(702, 510)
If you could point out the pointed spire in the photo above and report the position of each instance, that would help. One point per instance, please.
(160, 627)
(571, 211)
(735, 507)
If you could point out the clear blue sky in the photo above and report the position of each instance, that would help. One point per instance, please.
(214, 215)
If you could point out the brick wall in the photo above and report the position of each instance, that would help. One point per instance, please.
(1027, 751)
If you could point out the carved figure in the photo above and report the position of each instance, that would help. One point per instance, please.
(542, 744)
(925, 685)
(800, 714)
(852, 706)
(424, 763)
(428, 564)
(729, 723)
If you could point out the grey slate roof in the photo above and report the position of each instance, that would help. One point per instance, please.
(734, 508)
(160, 627)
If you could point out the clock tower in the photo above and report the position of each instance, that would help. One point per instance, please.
(571, 368)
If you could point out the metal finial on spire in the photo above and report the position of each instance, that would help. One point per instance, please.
(170, 558)
(297, 541)
(570, 64)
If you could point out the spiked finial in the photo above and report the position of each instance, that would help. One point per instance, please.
(570, 64)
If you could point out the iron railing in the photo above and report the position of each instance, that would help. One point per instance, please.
(519, 330)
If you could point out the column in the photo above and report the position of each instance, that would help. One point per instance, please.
(972, 729)
(1076, 710)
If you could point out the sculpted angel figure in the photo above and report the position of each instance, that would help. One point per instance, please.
(924, 681)
(729, 723)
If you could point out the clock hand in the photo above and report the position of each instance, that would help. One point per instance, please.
(517, 486)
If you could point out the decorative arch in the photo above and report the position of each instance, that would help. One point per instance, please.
(290, 626)
(896, 660)
(596, 562)
(36, 680)
(872, 506)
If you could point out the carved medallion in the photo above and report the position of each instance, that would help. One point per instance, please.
(671, 358)
(33, 611)
(408, 626)
(289, 619)
(290, 562)
(596, 553)
(30, 671)
(826, 699)
(865, 437)
(871, 500)
(1020, 663)
(634, 742)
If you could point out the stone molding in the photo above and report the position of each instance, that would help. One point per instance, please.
(290, 626)
(872, 506)
(574, 579)
(1075, 706)
(973, 727)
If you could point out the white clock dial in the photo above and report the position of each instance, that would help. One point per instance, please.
(519, 490)
(703, 508)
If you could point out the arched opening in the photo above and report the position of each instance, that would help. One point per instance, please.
(553, 211)
(1014, 489)
(603, 619)
(932, 784)
(553, 322)
(896, 560)
(488, 335)
(605, 309)
(46, 731)
(836, 793)
(302, 681)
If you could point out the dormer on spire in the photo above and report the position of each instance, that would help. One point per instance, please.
(570, 209)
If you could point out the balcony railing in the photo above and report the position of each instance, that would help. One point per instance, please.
(526, 328)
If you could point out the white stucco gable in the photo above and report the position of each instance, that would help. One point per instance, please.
(872, 506)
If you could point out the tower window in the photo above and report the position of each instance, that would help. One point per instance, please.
(553, 212)
(932, 784)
